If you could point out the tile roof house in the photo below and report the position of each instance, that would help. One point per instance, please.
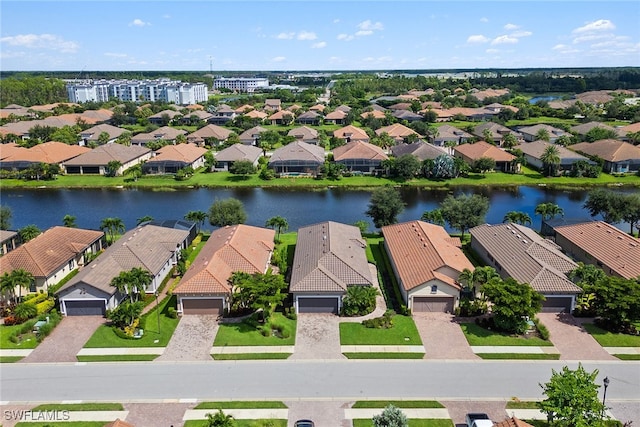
(52, 255)
(618, 156)
(92, 135)
(309, 118)
(407, 115)
(244, 109)
(398, 132)
(205, 288)
(51, 152)
(272, 104)
(498, 132)
(225, 158)
(281, 117)
(21, 129)
(251, 136)
(90, 117)
(584, 128)
(329, 257)
(9, 149)
(533, 151)
(212, 135)
(304, 134)
(420, 149)
(426, 262)
(9, 240)
(195, 117)
(375, 114)
(530, 133)
(163, 117)
(519, 252)
(470, 153)
(165, 133)
(172, 158)
(95, 161)
(359, 156)
(603, 245)
(629, 129)
(256, 115)
(14, 110)
(298, 158)
(351, 133)
(344, 108)
(449, 134)
(222, 115)
(150, 247)
(336, 117)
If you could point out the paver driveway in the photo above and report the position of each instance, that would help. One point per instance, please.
(66, 340)
(317, 337)
(192, 340)
(324, 413)
(571, 339)
(442, 337)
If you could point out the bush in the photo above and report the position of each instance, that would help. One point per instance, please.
(384, 322)
(11, 320)
(359, 300)
(290, 313)
(45, 306)
(471, 307)
(35, 297)
(542, 330)
(25, 311)
(172, 313)
(267, 174)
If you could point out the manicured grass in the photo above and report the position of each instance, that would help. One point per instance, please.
(553, 121)
(259, 404)
(628, 356)
(403, 327)
(63, 424)
(118, 358)
(522, 405)
(251, 356)
(478, 336)
(609, 339)
(518, 356)
(242, 334)
(427, 422)
(10, 359)
(388, 355)
(80, 407)
(105, 336)
(240, 423)
(422, 404)
(28, 340)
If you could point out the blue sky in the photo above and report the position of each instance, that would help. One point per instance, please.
(316, 35)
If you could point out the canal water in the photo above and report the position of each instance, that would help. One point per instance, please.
(47, 207)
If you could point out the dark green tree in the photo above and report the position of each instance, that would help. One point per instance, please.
(243, 168)
(69, 221)
(512, 303)
(278, 223)
(517, 217)
(145, 218)
(550, 160)
(28, 232)
(405, 167)
(5, 217)
(610, 204)
(227, 212)
(434, 217)
(484, 165)
(112, 226)
(359, 300)
(464, 211)
(385, 206)
(198, 217)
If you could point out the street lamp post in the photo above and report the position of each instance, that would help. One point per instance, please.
(605, 381)
(158, 310)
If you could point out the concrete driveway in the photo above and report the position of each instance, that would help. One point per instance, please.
(571, 339)
(317, 337)
(192, 340)
(66, 340)
(442, 337)
(324, 413)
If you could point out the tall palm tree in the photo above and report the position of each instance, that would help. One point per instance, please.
(434, 217)
(28, 232)
(550, 159)
(467, 279)
(69, 221)
(548, 211)
(19, 278)
(509, 140)
(278, 223)
(140, 280)
(487, 135)
(543, 135)
(199, 217)
(517, 217)
(145, 218)
(121, 283)
(111, 226)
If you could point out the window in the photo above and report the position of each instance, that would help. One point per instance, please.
(32, 286)
(434, 289)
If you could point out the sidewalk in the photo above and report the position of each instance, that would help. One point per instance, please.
(114, 351)
(412, 413)
(622, 350)
(514, 349)
(240, 414)
(382, 349)
(252, 349)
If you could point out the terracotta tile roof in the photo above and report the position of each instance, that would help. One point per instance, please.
(244, 108)
(376, 114)
(281, 115)
(336, 115)
(50, 152)
(328, 257)
(149, 247)
(318, 107)
(237, 152)
(344, 108)
(595, 97)
(400, 106)
(91, 117)
(512, 422)
(358, 150)
(396, 130)
(10, 149)
(527, 257)
(50, 107)
(211, 131)
(351, 132)
(229, 249)
(614, 248)
(448, 131)
(422, 252)
(298, 150)
(610, 150)
(23, 127)
(103, 154)
(49, 251)
(255, 114)
(632, 128)
(489, 93)
(480, 149)
(194, 107)
(421, 150)
(187, 153)
(294, 107)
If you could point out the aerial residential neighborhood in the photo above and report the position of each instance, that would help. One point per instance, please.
(315, 214)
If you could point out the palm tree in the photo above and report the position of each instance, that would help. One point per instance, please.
(487, 135)
(19, 278)
(509, 140)
(69, 221)
(111, 226)
(220, 419)
(433, 217)
(145, 218)
(5, 217)
(140, 280)
(550, 159)
(28, 232)
(548, 211)
(542, 135)
(467, 278)
(121, 283)
(278, 223)
(199, 217)
(517, 217)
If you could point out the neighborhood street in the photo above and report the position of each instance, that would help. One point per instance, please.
(303, 379)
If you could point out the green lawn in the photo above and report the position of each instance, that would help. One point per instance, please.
(518, 356)
(628, 356)
(104, 336)
(478, 336)
(80, 407)
(388, 355)
(522, 405)
(239, 423)
(10, 359)
(427, 422)
(403, 327)
(251, 356)
(28, 340)
(421, 404)
(244, 334)
(609, 339)
(118, 358)
(259, 404)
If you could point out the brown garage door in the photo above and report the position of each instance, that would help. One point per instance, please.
(202, 306)
(556, 304)
(432, 304)
(318, 305)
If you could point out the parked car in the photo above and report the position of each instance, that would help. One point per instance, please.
(304, 423)
(478, 419)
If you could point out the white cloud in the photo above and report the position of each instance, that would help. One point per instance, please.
(492, 50)
(370, 26)
(345, 37)
(504, 40)
(115, 55)
(278, 59)
(599, 25)
(477, 38)
(483, 19)
(319, 45)
(41, 41)
(591, 38)
(364, 33)
(307, 35)
(286, 36)
(519, 34)
(139, 23)
(511, 27)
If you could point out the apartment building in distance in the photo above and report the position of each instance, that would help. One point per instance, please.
(165, 90)
(241, 84)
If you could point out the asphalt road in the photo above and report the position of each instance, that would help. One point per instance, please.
(290, 380)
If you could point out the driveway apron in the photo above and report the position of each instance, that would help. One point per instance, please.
(192, 340)
(324, 413)
(317, 337)
(442, 337)
(571, 339)
(156, 415)
(66, 340)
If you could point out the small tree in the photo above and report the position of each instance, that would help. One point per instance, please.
(464, 212)
(484, 165)
(572, 398)
(362, 225)
(359, 300)
(434, 217)
(5, 217)
(19, 278)
(112, 226)
(198, 217)
(69, 221)
(391, 417)
(406, 167)
(112, 168)
(220, 419)
(278, 223)
(385, 206)
(517, 217)
(243, 168)
(548, 211)
(513, 304)
(28, 232)
(227, 212)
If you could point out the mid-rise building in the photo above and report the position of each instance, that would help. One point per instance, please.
(241, 84)
(165, 90)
